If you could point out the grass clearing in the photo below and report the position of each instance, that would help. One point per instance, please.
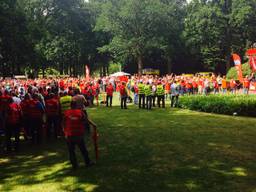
(158, 150)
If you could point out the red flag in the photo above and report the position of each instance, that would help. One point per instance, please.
(87, 73)
(251, 53)
(238, 66)
(252, 62)
(95, 137)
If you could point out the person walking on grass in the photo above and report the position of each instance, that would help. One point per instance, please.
(73, 122)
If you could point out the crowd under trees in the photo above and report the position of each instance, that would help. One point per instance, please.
(170, 35)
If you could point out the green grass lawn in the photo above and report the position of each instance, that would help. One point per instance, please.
(143, 151)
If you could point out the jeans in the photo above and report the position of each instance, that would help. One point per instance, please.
(136, 97)
(35, 127)
(79, 141)
(109, 101)
(123, 102)
(154, 100)
(174, 100)
(160, 98)
(52, 124)
(224, 90)
(149, 102)
(246, 91)
(12, 130)
(142, 99)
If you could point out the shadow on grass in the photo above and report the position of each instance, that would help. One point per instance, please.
(162, 150)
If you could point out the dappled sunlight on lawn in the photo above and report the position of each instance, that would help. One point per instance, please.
(159, 150)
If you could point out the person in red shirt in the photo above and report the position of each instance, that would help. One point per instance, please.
(109, 90)
(123, 94)
(36, 111)
(246, 85)
(189, 87)
(25, 115)
(13, 122)
(96, 92)
(167, 89)
(136, 93)
(195, 86)
(73, 122)
(215, 86)
(52, 109)
(233, 86)
(4, 104)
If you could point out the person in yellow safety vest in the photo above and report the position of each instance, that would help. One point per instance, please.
(65, 102)
(160, 94)
(148, 94)
(141, 92)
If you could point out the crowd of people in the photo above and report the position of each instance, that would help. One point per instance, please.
(57, 104)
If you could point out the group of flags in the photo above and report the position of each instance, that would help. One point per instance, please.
(251, 53)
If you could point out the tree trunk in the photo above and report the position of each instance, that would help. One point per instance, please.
(169, 65)
(228, 64)
(228, 37)
(104, 69)
(101, 73)
(108, 70)
(140, 65)
(43, 70)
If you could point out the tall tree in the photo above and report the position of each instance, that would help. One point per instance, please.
(134, 26)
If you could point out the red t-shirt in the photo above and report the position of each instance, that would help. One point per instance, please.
(110, 90)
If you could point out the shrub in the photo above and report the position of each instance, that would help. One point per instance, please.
(243, 105)
(114, 67)
(49, 71)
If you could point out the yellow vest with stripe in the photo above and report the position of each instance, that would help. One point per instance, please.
(65, 103)
(148, 90)
(160, 90)
(141, 88)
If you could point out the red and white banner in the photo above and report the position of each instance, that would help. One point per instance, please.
(87, 73)
(251, 53)
(252, 61)
(238, 65)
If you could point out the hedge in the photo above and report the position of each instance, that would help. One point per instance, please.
(242, 105)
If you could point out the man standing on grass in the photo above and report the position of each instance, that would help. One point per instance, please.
(13, 123)
(246, 85)
(160, 95)
(124, 95)
(73, 123)
(174, 94)
(141, 92)
(148, 94)
(109, 90)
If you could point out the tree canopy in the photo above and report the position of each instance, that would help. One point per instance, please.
(171, 35)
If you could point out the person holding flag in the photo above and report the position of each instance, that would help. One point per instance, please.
(238, 65)
(73, 123)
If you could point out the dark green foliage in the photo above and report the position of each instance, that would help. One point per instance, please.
(174, 36)
(243, 105)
